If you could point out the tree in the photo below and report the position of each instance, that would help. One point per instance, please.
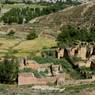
(37, 11)
(68, 35)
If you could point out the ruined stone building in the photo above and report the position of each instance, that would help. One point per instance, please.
(52, 73)
(83, 50)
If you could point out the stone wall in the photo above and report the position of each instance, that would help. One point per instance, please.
(82, 53)
(28, 79)
(60, 53)
(52, 76)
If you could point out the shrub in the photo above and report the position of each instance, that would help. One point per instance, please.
(8, 71)
(11, 33)
(31, 36)
(70, 34)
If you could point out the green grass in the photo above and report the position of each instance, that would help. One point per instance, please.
(27, 46)
(36, 44)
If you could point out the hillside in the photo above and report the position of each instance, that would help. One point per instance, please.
(49, 25)
(82, 15)
(74, 78)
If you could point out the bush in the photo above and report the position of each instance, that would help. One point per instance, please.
(8, 71)
(71, 34)
(11, 33)
(31, 36)
(68, 35)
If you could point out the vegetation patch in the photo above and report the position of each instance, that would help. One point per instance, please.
(67, 66)
(24, 15)
(8, 71)
(71, 34)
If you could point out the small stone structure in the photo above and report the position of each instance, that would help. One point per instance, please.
(51, 69)
(79, 51)
(28, 64)
(1, 59)
(93, 64)
(48, 67)
(44, 68)
(82, 52)
(73, 51)
(93, 77)
(93, 53)
(86, 64)
(60, 53)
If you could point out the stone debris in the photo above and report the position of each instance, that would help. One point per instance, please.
(45, 73)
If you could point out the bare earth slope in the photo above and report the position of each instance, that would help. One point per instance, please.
(79, 15)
